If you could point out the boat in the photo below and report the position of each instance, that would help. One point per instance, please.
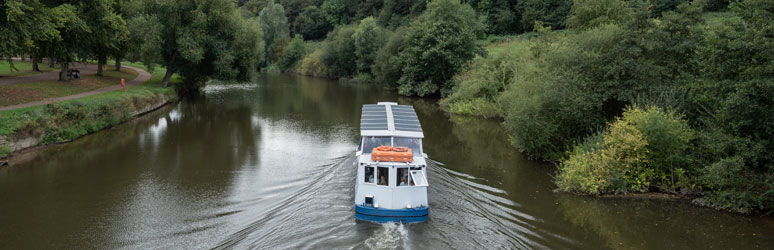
(391, 178)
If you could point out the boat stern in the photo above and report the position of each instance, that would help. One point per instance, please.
(384, 215)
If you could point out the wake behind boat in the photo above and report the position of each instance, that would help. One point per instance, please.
(391, 169)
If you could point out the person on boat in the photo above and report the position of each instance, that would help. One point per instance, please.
(402, 181)
(382, 180)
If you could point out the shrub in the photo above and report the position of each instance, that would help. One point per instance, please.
(591, 13)
(312, 64)
(293, 52)
(641, 149)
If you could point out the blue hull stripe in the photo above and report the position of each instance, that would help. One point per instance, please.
(391, 215)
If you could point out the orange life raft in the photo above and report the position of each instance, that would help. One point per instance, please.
(396, 154)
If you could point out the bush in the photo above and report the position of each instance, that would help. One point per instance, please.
(641, 149)
(312, 64)
(477, 91)
(591, 13)
(293, 52)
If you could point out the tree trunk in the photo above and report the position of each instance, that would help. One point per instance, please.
(35, 59)
(167, 76)
(51, 62)
(100, 63)
(118, 63)
(23, 58)
(63, 72)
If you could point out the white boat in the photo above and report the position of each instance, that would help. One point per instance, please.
(391, 168)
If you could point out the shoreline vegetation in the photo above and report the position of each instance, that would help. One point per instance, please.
(68, 120)
(624, 97)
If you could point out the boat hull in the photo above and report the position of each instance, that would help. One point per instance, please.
(383, 215)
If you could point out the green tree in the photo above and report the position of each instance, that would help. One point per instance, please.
(312, 24)
(108, 29)
(438, 44)
(338, 54)
(293, 52)
(586, 14)
(25, 26)
(369, 38)
(338, 11)
(197, 39)
(550, 12)
(275, 27)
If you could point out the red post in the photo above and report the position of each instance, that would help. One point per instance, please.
(123, 89)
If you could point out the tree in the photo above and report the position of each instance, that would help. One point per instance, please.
(108, 29)
(197, 39)
(293, 52)
(312, 24)
(550, 12)
(25, 25)
(338, 11)
(338, 53)
(274, 24)
(438, 44)
(591, 13)
(369, 37)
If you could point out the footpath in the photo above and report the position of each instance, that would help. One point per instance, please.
(54, 75)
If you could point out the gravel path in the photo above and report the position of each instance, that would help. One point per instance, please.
(85, 69)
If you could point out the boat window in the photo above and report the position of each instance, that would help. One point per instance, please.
(415, 144)
(384, 176)
(371, 142)
(418, 177)
(369, 174)
(403, 177)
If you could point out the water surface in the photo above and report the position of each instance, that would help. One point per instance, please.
(269, 164)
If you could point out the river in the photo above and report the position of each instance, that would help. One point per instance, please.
(268, 165)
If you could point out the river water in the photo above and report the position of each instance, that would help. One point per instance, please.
(268, 165)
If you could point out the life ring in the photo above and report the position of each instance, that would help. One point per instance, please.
(384, 148)
(400, 149)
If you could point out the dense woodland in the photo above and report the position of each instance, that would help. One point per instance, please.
(623, 95)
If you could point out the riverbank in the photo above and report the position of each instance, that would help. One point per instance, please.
(68, 120)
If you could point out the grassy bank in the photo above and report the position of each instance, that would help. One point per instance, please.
(30, 92)
(68, 120)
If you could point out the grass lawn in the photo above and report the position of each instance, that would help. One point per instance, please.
(10, 120)
(23, 68)
(30, 92)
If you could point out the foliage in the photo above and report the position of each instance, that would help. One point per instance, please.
(274, 25)
(477, 90)
(585, 14)
(312, 24)
(199, 39)
(338, 54)
(551, 13)
(369, 38)
(338, 11)
(313, 64)
(387, 68)
(293, 52)
(641, 149)
(438, 44)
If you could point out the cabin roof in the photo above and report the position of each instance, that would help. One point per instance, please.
(389, 119)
